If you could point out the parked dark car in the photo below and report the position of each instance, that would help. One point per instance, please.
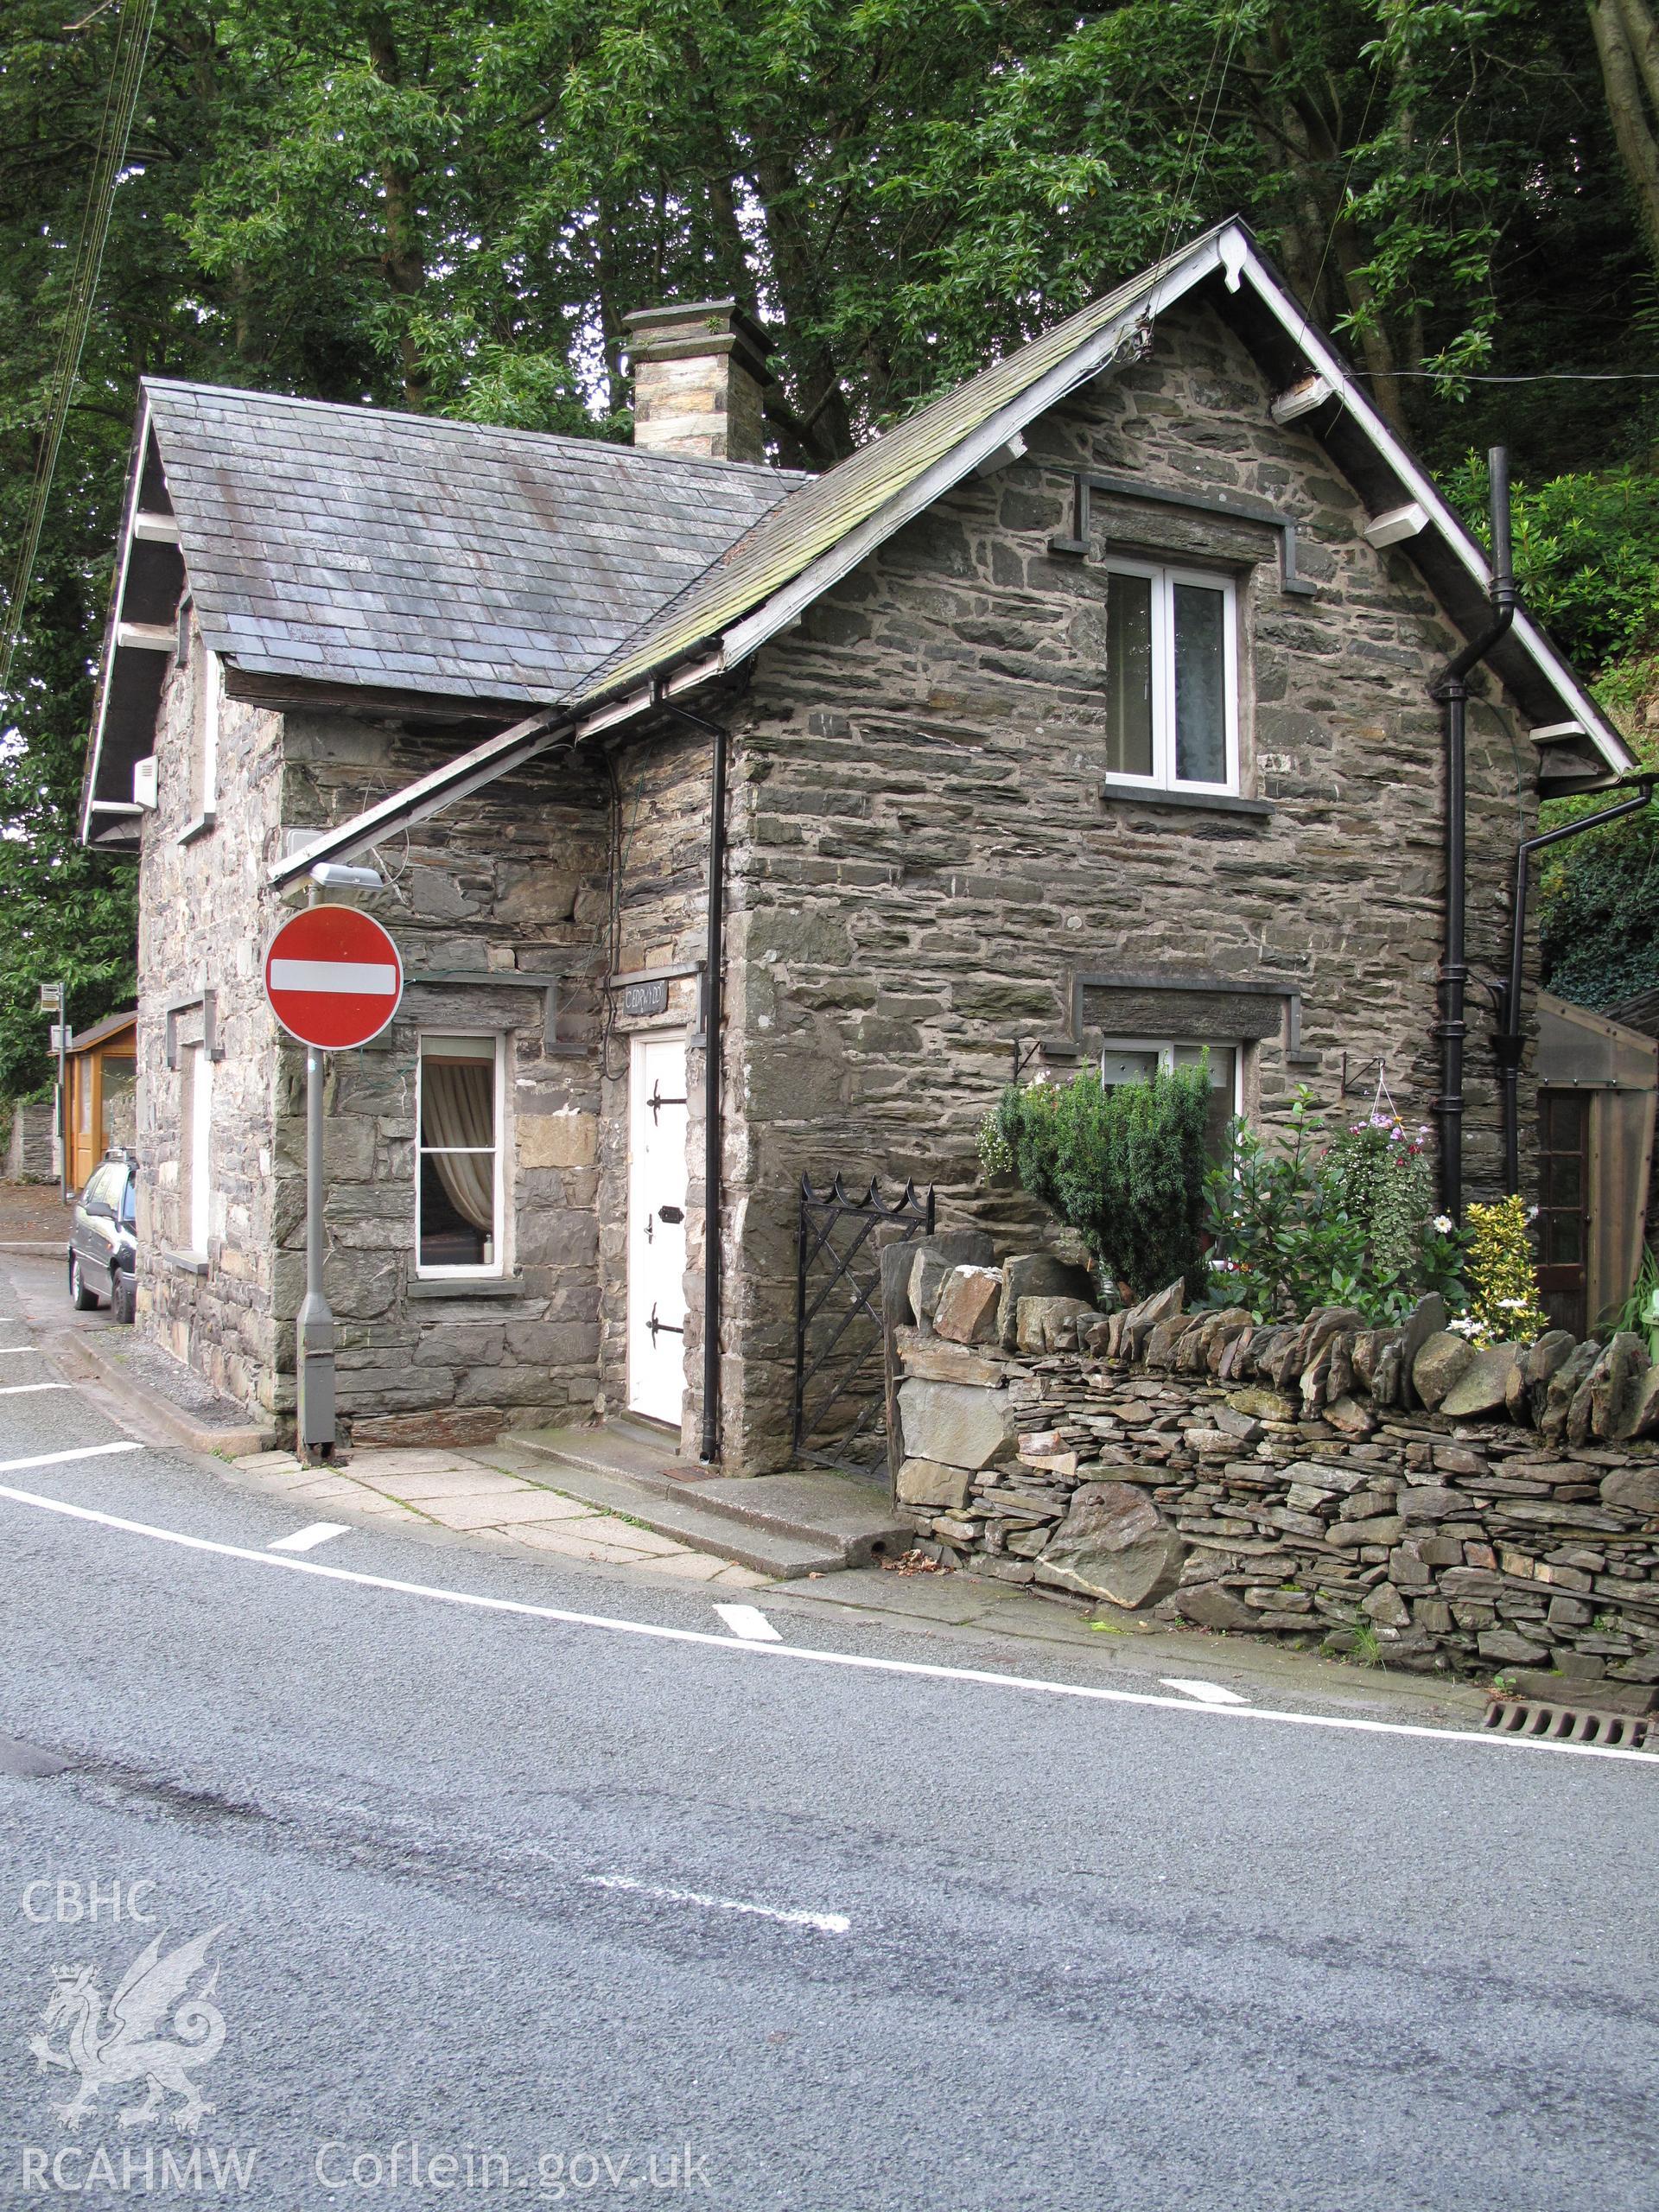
(103, 1241)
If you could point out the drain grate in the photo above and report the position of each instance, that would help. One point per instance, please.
(1565, 1724)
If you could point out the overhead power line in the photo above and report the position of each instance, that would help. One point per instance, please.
(1540, 376)
(115, 133)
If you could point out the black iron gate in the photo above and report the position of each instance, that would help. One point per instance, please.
(840, 1387)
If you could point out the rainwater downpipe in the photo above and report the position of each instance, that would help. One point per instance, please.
(1451, 688)
(719, 738)
(1508, 1044)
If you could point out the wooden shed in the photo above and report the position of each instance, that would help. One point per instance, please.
(100, 1087)
(1598, 1087)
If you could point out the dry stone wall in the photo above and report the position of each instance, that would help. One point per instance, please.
(1376, 1491)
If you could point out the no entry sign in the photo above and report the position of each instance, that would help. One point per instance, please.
(333, 977)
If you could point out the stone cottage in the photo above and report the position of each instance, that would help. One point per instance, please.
(1086, 712)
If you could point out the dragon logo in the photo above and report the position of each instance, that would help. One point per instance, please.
(111, 2045)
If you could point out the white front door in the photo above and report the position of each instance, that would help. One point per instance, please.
(656, 1188)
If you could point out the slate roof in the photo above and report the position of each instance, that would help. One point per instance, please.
(359, 546)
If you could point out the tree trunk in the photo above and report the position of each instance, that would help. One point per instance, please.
(1622, 83)
(403, 258)
(821, 402)
(1641, 30)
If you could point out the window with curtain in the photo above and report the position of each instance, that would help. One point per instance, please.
(1136, 1059)
(458, 1157)
(1171, 679)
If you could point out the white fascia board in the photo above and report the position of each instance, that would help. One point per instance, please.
(497, 756)
(1088, 360)
(1417, 484)
(619, 710)
(141, 447)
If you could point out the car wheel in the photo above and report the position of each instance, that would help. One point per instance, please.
(83, 1297)
(123, 1298)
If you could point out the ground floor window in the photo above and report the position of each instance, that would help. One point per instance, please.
(1136, 1059)
(458, 1203)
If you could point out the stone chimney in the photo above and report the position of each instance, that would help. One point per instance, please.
(699, 376)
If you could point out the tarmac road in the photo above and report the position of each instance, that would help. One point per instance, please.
(856, 1920)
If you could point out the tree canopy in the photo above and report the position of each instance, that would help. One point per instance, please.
(441, 205)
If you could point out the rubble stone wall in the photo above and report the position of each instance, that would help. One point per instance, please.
(513, 882)
(1370, 1489)
(922, 857)
(204, 916)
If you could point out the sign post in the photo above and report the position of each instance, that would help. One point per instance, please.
(334, 981)
(52, 999)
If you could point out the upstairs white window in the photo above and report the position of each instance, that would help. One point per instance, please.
(1172, 680)
(458, 1201)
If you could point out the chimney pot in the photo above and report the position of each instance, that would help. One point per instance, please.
(700, 376)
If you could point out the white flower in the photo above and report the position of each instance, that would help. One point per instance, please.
(1445, 1224)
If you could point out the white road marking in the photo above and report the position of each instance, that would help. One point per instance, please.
(6, 1351)
(925, 1670)
(1206, 1693)
(307, 1539)
(827, 1923)
(59, 1458)
(21, 1389)
(373, 977)
(750, 1622)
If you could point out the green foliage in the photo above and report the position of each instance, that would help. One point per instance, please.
(1504, 1303)
(1598, 913)
(1123, 1167)
(440, 204)
(1326, 1221)
(1639, 1313)
(1586, 555)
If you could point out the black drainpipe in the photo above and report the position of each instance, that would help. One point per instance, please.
(1451, 689)
(1508, 1044)
(714, 958)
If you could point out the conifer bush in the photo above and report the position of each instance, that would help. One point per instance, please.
(1124, 1166)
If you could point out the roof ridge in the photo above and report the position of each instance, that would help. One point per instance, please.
(563, 439)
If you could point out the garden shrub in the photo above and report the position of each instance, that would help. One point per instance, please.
(1324, 1221)
(1124, 1166)
(1504, 1302)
